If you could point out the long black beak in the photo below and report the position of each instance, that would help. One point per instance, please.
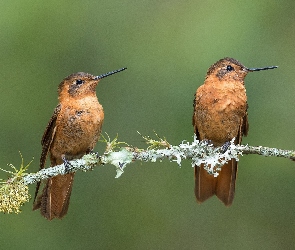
(108, 74)
(265, 68)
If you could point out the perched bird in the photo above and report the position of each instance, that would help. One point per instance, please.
(72, 131)
(220, 114)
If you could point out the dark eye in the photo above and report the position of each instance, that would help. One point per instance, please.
(229, 68)
(79, 81)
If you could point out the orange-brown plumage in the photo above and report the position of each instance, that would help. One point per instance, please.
(220, 114)
(72, 131)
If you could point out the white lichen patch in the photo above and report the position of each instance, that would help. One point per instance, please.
(119, 159)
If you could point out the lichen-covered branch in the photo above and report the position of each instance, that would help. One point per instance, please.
(198, 152)
(14, 191)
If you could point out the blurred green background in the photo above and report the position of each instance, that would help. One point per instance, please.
(167, 47)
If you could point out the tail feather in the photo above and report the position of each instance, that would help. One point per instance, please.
(226, 182)
(55, 197)
(204, 184)
(223, 186)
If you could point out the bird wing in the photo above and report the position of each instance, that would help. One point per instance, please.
(194, 120)
(46, 142)
(245, 126)
(48, 136)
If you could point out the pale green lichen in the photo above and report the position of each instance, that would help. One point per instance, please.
(91, 160)
(111, 145)
(155, 144)
(119, 159)
(13, 196)
(13, 192)
(201, 152)
(213, 158)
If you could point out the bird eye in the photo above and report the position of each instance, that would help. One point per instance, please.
(229, 68)
(79, 81)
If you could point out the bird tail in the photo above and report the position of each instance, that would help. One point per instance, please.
(55, 198)
(223, 186)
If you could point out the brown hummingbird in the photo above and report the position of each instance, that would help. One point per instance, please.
(220, 114)
(72, 131)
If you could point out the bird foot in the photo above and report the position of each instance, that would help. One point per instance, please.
(225, 147)
(67, 164)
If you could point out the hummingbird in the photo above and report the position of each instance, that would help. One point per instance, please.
(72, 131)
(220, 114)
